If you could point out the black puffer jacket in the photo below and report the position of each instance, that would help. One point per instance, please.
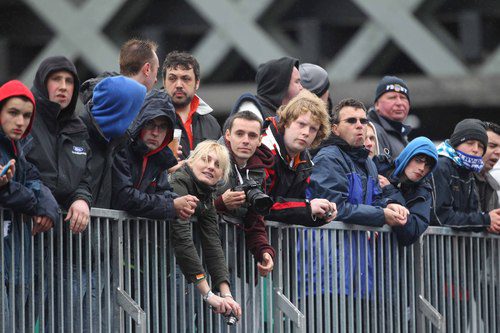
(140, 184)
(273, 79)
(58, 144)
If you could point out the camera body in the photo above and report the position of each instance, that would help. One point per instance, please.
(260, 202)
(231, 319)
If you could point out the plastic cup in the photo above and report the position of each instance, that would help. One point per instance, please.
(174, 144)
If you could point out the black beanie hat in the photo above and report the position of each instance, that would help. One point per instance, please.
(391, 83)
(469, 129)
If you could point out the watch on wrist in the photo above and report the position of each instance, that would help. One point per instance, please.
(208, 295)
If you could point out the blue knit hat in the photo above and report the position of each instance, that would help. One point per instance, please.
(117, 101)
(420, 145)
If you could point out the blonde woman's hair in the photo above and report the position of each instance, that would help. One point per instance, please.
(305, 102)
(208, 146)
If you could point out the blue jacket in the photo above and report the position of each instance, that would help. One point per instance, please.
(346, 176)
(416, 196)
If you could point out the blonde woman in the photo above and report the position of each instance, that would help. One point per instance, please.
(206, 166)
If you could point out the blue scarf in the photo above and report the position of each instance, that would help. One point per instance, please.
(466, 161)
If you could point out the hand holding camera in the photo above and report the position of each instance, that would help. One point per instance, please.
(233, 199)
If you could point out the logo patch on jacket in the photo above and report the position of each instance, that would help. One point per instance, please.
(79, 151)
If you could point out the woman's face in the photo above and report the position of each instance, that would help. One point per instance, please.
(370, 140)
(207, 169)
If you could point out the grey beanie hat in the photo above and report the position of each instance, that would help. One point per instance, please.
(314, 78)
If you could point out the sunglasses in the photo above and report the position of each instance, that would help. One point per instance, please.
(151, 125)
(354, 120)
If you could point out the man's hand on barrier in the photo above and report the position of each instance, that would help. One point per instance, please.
(266, 265)
(78, 215)
(495, 221)
(233, 199)
(185, 206)
(324, 209)
(401, 210)
(42, 224)
(393, 218)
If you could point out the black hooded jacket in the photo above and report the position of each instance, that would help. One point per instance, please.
(140, 184)
(273, 79)
(58, 144)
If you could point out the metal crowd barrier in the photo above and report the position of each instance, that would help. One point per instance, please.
(120, 275)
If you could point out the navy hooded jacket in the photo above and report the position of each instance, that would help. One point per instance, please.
(140, 184)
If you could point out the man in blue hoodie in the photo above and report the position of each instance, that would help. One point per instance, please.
(115, 103)
(407, 183)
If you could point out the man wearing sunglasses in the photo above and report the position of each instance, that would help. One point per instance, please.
(390, 110)
(140, 184)
(343, 173)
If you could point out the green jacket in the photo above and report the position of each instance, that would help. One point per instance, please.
(206, 230)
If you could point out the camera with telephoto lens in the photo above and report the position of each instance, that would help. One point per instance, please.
(260, 202)
(231, 319)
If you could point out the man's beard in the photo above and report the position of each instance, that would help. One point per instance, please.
(182, 104)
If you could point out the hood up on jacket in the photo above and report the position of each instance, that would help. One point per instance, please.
(47, 67)
(116, 102)
(157, 104)
(16, 88)
(273, 79)
(417, 146)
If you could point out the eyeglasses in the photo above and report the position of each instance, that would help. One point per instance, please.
(424, 159)
(354, 120)
(151, 125)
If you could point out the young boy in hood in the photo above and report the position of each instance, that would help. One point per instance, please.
(58, 144)
(21, 190)
(407, 184)
(140, 184)
(456, 202)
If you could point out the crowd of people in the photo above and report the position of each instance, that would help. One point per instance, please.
(286, 154)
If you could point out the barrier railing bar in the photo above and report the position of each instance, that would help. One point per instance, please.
(290, 310)
(132, 309)
(431, 313)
